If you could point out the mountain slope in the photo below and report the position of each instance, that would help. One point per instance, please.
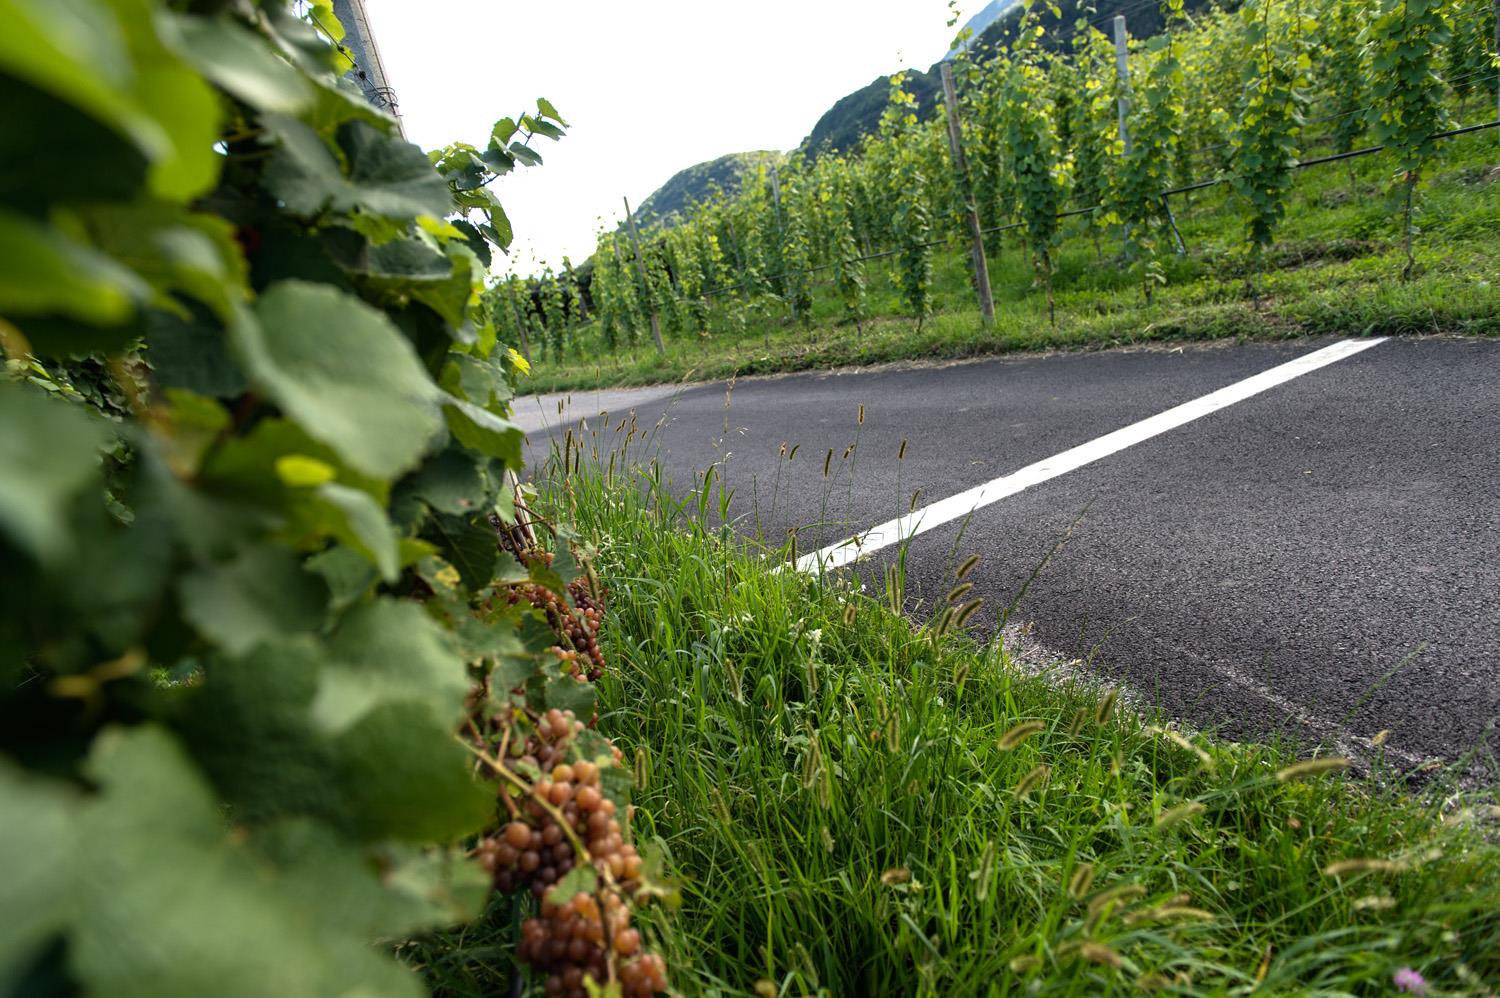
(696, 183)
(980, 22)
(853, 117)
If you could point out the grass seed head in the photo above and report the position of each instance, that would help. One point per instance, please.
(1081, 881)
(1310, 768)
(985, 871)
(959, 591)
(1033, 780)
(1170, 913)
(1117, 895)
(1374, 902)
(1106, 707)
(861, 418)
(967, 610)
(1017, 734)
(1025, 964)
(1176, 815)
(1183, 742)
(1351, 867)
(967, 566)
(1100, 954)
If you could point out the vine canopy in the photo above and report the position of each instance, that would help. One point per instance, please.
(253, 437)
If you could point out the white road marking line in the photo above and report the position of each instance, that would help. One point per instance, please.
(958, 506)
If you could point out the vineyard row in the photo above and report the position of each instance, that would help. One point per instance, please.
(1113, 127)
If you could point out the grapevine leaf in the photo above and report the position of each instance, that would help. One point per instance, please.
(510, 673)
(496, 639)
(173, 250)
(187, 910)
(360, 523)
(246, 466)
(545, 107)
(191, 353)
(389, 652)
(500, 222)
(566, 693)
(387, 175)
(106, 59)
(50, 451)
(475, 240)
(348, 574)
(502, 132)
(404, 776)
(526, 154)
(582, 879)
(39, 144)
(412, 268)
(481, 430)
(469, 546)
(478, 381)
(46, 272)
(342, 371)
(451, 481)
(260, 594)
(41, 825)
(655, 882)
(232, 57)
(249, 729)
(398, 261)
(444, 882)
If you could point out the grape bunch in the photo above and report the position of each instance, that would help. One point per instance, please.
(571, 940)
(577, 626)
(590, 934)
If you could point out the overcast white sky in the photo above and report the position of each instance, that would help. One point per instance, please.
(648, 87)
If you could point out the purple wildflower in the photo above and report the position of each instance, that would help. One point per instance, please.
(1410, 981)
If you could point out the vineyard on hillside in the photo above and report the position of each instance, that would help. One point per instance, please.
(1218, 114)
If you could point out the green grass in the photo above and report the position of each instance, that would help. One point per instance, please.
(1335, 271)
(832, 786)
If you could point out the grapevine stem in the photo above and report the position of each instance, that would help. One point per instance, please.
(546, 805)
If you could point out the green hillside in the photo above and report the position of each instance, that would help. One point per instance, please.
(851, 118)
(698, 183)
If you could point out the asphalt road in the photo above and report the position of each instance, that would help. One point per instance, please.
(1318, 560)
